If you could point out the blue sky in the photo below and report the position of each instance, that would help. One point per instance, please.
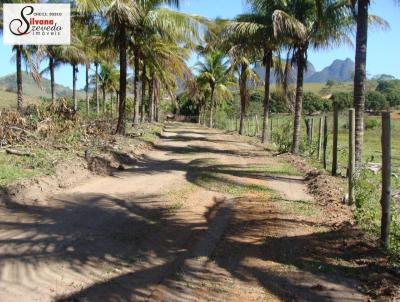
(383, 46)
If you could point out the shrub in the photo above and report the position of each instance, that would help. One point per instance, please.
(372, 124)
(312, 103)
(282, 136)
(368, 209)
(375, 101)
(344, 100)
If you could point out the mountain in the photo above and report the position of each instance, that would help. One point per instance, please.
(260, 70)
(339, 71)
(30, 88)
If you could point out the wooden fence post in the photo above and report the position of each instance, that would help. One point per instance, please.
(325, 143)
(312, 131)
(386, 178)
(270, 128)
(256, 129)
(321, 125)
(352, 154)
(335, 139)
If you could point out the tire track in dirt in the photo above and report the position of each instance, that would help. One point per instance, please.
(187, 222)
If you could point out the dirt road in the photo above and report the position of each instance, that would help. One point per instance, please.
(203, 217)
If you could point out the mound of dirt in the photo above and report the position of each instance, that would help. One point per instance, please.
(34, 191)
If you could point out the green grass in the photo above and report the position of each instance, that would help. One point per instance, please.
(300, 207)
(15, 167)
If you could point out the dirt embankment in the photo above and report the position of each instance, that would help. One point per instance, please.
(327, 190)
(116, 155)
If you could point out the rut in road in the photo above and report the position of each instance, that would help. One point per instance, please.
(205, 216)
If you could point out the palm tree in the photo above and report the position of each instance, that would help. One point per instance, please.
(310, 23)
(216, 71)
(120, 15)
(75, 56)
(55, 55)
(257, 28)
(168, 25)
(108, 78)
(240, 48)
(360, 9)
(25, 53)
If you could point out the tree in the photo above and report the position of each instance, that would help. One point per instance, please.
(25, 53)
(360, 9)
(155, 22)
(120, 15)
(257, 27)
(309, 23)
(312, 103)
(215, 70)
(240, 48)
(391, 90)
(108, 78)
(375, 101)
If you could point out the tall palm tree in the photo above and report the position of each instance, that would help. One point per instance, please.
(256, 28)
(25, 53)
(156, 20)
(55, 56)
(216, 71)
(75, 56)
(108, 78)
(120, 15)
(360, 9)
(310, 23)
(246, 75)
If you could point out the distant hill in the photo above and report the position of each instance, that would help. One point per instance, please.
(339, 71)
(260, 70)
(31, 89)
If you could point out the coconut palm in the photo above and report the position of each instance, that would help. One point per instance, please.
(310, 23)
(240, 48)
(75, 56)
(156, 20)
(256, 28)
(216, 71)
(55, 56)
(108, 78)
(26, 54)
(120, 15)
(360, 10)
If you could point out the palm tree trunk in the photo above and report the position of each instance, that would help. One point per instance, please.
(360, 76)
(111, 103)
(135, 89)
(212, 107)
(157, 100)
(301, 61)
(268, 63)
(97, 88)
(20, 100)
(52, 86)
(104, 100)
(151, 100)
(122, 80)
(142, 107)
(243, 97)
(87, 89)
(74, 87)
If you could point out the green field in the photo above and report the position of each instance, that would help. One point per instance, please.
(8, 100)
(282, 129)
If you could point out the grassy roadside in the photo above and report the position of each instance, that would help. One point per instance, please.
(65, 140)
